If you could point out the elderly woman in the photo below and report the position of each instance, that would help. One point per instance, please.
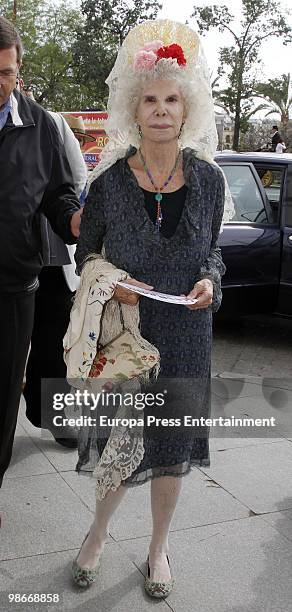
(156, 205)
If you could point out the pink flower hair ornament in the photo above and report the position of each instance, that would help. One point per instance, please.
(154, 51)
(145, 60)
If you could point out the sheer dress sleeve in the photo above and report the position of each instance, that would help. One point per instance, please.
(213, 267)
(92, 228)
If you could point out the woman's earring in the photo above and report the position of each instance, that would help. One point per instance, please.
(181, 129)
(139, 130)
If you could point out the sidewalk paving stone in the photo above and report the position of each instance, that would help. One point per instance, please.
(240, 566)
(282, 521)
(60, 457)
(40, 514)
(26, 459)
(258, 476)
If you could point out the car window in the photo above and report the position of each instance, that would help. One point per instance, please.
(248, 203)
(272, 179)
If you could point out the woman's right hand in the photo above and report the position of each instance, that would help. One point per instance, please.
(125, 296)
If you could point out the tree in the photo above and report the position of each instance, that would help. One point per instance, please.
(25, 16)
(279, 96)
(261, 20)
(106, 24)
(48, 69)
(48, 32)
(257, 137)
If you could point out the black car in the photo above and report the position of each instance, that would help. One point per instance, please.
(257, 243)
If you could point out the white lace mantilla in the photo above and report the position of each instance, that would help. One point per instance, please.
(125, 82)
(122, 454)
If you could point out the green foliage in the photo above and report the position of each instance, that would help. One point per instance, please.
(69, 53)
(106, 24)
(50, 71)
(48, 32)
(27, 18)
(93, 58)
(113, 20)
(278, 94)
(261, 19)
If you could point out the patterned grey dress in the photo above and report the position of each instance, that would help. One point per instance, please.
(115, 215)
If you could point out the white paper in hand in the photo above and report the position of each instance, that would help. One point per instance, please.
(156, 295)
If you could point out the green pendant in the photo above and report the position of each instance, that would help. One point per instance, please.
(158, 197)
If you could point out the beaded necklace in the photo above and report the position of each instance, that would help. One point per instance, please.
(158, 195)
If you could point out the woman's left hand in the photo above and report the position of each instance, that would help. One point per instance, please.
(203, 292)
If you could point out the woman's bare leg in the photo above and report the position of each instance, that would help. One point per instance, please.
(98, 534)
(165, 492)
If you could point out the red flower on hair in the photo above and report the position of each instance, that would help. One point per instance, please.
(172, 51)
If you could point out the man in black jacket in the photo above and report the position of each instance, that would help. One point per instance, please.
(276, 137)
(35, 177)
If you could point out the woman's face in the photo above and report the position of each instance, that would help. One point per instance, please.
(160, 111)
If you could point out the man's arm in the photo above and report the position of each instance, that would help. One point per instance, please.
(60, 203)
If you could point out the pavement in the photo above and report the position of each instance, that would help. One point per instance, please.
(231, 537)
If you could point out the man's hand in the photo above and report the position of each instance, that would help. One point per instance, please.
(125, 296)
(75, 222)
(203, 292)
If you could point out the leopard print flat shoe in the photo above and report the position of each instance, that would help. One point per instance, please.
(157, 589)
(84, 577)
